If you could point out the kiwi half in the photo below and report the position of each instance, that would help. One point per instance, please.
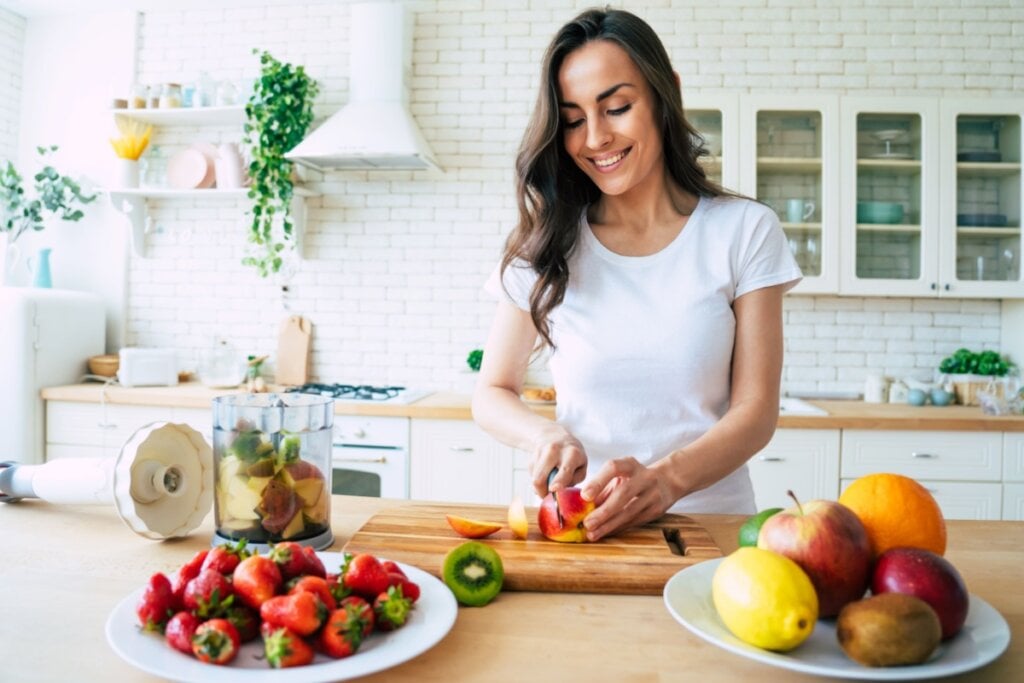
(474, 573)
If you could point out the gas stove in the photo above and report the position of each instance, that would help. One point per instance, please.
(363, 393)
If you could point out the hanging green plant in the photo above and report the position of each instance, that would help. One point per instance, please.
(278, 114)
(56, 195)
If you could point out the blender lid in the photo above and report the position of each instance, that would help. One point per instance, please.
(163, 480)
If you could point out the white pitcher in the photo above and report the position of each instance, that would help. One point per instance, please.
(228, 166)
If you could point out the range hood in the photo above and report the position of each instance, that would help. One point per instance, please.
(375, 129)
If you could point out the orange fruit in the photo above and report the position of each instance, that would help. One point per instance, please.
(896, 511)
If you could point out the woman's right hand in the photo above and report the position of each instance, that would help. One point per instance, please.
(557, 449)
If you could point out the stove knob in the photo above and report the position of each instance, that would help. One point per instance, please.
(359, 433)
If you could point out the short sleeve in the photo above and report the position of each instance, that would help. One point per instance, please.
(518, 282)
(765, 260)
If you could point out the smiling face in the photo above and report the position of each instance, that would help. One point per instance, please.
(608, 118)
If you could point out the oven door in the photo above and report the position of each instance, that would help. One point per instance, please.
(375, 471)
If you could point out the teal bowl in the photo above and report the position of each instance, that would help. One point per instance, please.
(879, 212)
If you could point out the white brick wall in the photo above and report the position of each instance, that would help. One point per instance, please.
(393, 261)
(12, 41)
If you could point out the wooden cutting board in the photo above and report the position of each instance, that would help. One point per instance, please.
(635, 562)
(293, 344)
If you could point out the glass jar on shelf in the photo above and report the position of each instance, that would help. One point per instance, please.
(154, 168)
(170, 96)
(137, 99)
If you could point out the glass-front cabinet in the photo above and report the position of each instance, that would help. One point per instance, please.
(982, 181)
(890, 214)
(789, 161)
(717, 121)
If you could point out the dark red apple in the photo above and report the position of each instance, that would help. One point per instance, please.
(925, 575)
(574, 510)
(829, 543)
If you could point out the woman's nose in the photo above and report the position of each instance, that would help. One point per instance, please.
(598, 135)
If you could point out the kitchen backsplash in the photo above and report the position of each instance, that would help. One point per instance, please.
(394, 261)
(12, 40)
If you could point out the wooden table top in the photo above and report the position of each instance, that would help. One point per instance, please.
(66, 567)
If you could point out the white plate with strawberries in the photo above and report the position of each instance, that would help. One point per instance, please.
(428, 623)
(985, 635)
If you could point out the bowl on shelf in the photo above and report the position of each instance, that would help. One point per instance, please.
(879, 212)
(105, 365)
(981, 220)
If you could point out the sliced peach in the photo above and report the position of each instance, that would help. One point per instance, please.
(517, 518)
(471, 528)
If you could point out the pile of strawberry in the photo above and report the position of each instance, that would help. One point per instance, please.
(227, 596)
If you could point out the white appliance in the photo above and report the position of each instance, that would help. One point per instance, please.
(138, 367)
(370, 456)
(375, 129)
(46, 338)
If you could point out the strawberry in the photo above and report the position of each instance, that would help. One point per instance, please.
(409, 589)
(302, 612)
(365, 576)
(209, 594)
(314, 565)
(391, 568)
(391, 609)
(290, 559)
(246, 620)
(180, 630)
(157, 603)
(343, 633)
(256, 580)
(315, 585)
(216, 642)
(283, 648)
(225, 557)
(188, 571)
(362, 610)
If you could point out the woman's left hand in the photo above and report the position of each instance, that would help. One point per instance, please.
(626, 494)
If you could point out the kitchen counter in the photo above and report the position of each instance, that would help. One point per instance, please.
(68, 566)
(454, 406)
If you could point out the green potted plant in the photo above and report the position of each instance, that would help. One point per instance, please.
(970, 372)
(278, 114)
(56, 195)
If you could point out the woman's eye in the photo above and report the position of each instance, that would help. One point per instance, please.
(573, 124)
(620, 111)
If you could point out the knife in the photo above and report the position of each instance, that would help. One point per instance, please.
(558, 511)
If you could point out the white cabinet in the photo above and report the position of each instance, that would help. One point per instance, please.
(454, 461)
(789, 159)
(716, 118)
(99, 430)
(1013, 476)
(805, 461)
(963, 470)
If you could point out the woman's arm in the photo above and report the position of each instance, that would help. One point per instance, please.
(629, 493)
(498, 409)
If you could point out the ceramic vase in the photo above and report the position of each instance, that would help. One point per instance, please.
(8, 259)
(126, 173)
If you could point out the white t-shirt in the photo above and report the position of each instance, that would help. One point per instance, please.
(644, 344)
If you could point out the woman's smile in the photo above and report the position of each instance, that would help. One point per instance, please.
(609, 162)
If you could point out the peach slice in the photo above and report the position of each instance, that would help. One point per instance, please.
(517, 518)
(471, 528)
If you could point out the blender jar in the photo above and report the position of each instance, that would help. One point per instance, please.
(272, 468)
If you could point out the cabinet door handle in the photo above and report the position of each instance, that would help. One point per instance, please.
(106, 425)
(934, 286)
(923, 455)
(461, 449)
(947, 287)
(770, 458)
(379, 460)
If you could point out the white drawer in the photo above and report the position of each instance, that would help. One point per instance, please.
(805, 461)
(123, 421)
(199, 419)
(74, 423)
(57, 451)
(960, 456)
(963, 500)
(1013, 502)
(1013, 457)
(360, 430)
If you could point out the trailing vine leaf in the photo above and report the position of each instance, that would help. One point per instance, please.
(56, 195)
(278, 114)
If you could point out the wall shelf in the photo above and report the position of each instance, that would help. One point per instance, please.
(186, 116)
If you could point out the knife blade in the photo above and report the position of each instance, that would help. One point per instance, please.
(558, 510)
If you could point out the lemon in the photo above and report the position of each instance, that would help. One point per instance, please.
(765, 599)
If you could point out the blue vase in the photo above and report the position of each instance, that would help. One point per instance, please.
(41, 276)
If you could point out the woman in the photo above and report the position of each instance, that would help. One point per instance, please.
(658, 294)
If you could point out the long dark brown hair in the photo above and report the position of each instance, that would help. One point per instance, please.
(551, 189)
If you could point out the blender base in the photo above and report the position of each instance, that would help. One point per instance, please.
(321, 541)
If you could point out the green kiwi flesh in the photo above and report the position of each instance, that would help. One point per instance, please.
(474, 573)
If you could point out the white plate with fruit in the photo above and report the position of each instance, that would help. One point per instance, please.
(430, 620)
(984, 637)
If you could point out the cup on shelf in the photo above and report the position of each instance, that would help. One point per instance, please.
(799, 210)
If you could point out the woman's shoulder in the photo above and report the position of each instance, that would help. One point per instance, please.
(741, 207)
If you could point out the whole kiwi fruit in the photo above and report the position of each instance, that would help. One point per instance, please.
(891, 629)
(474, 573)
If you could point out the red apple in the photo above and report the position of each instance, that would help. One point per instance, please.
(574, 510)
(925, 575)
(829, 543)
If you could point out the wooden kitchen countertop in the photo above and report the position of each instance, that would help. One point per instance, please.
(68, 566)
(454, 406)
